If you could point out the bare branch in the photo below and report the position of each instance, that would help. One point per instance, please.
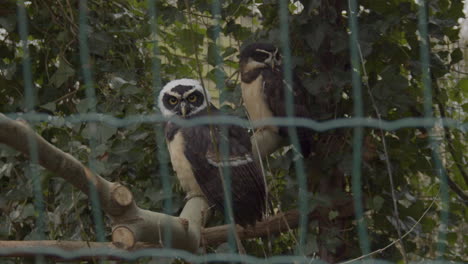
(131, 224)
(399, 240)
(282, 222)
(89, 250)
(212, 236)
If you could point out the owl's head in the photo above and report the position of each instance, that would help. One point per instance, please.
(259, 55)
(183, 97)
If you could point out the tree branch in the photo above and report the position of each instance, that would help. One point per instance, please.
(131, 224)
(212, 236)
(276, 224)
(89, 250)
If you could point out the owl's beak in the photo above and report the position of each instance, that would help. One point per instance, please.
(273, 60)
(270, 61)
(183, 109)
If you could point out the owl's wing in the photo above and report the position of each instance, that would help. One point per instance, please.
(247, 184)
(274, 91)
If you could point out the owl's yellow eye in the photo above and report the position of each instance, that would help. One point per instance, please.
(192, 98)
(173, 100)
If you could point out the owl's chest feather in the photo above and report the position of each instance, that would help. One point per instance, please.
(182, 166)
(254, 100)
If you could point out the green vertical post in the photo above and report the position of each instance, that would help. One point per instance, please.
(292, 131)
(428, 113)
(29, 103)
(159, 128)
(358, 130)
(224, 144)
(91, 97)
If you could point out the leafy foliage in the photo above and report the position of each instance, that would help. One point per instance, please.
(121, 47)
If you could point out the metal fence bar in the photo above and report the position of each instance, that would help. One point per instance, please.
(358, 130)
(30, 102)
(224, 144)
(408, 122)
(159, 128)
(428, 112)
(91, 97)
(175, 253)
(193, 258)
(292, 130)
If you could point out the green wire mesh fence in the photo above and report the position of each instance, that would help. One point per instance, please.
(358, 122)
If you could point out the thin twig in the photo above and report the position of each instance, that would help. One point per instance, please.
(260, 161)
(74, 28)
(197, 59)
(396, 241)
(266, 186)
(260, 158)
(70, 94)
(387, 157)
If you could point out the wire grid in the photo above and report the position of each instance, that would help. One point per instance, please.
(358, 122)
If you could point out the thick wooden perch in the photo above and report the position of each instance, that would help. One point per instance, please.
(89, 249)
(131, 224)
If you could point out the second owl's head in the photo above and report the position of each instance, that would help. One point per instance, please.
(183, 97)
(259, 55)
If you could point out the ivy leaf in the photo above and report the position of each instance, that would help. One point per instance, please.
(217, 74)
(315, 38)
(100, 43)
(83, 105)
(465, 107)
(456, 55)
(213, 57)
(229, 51)
(62, 74)
(189, 41)
(8, 22)
(377, 202)
(239, 32)
(463, 86)
(51, 106)
(101, 131)
(28, 211)
(340, 43)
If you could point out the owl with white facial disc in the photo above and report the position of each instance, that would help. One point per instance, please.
(197, 161)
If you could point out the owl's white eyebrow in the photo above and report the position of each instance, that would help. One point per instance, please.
(187, 93)
(264, 51)
(173, 94)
